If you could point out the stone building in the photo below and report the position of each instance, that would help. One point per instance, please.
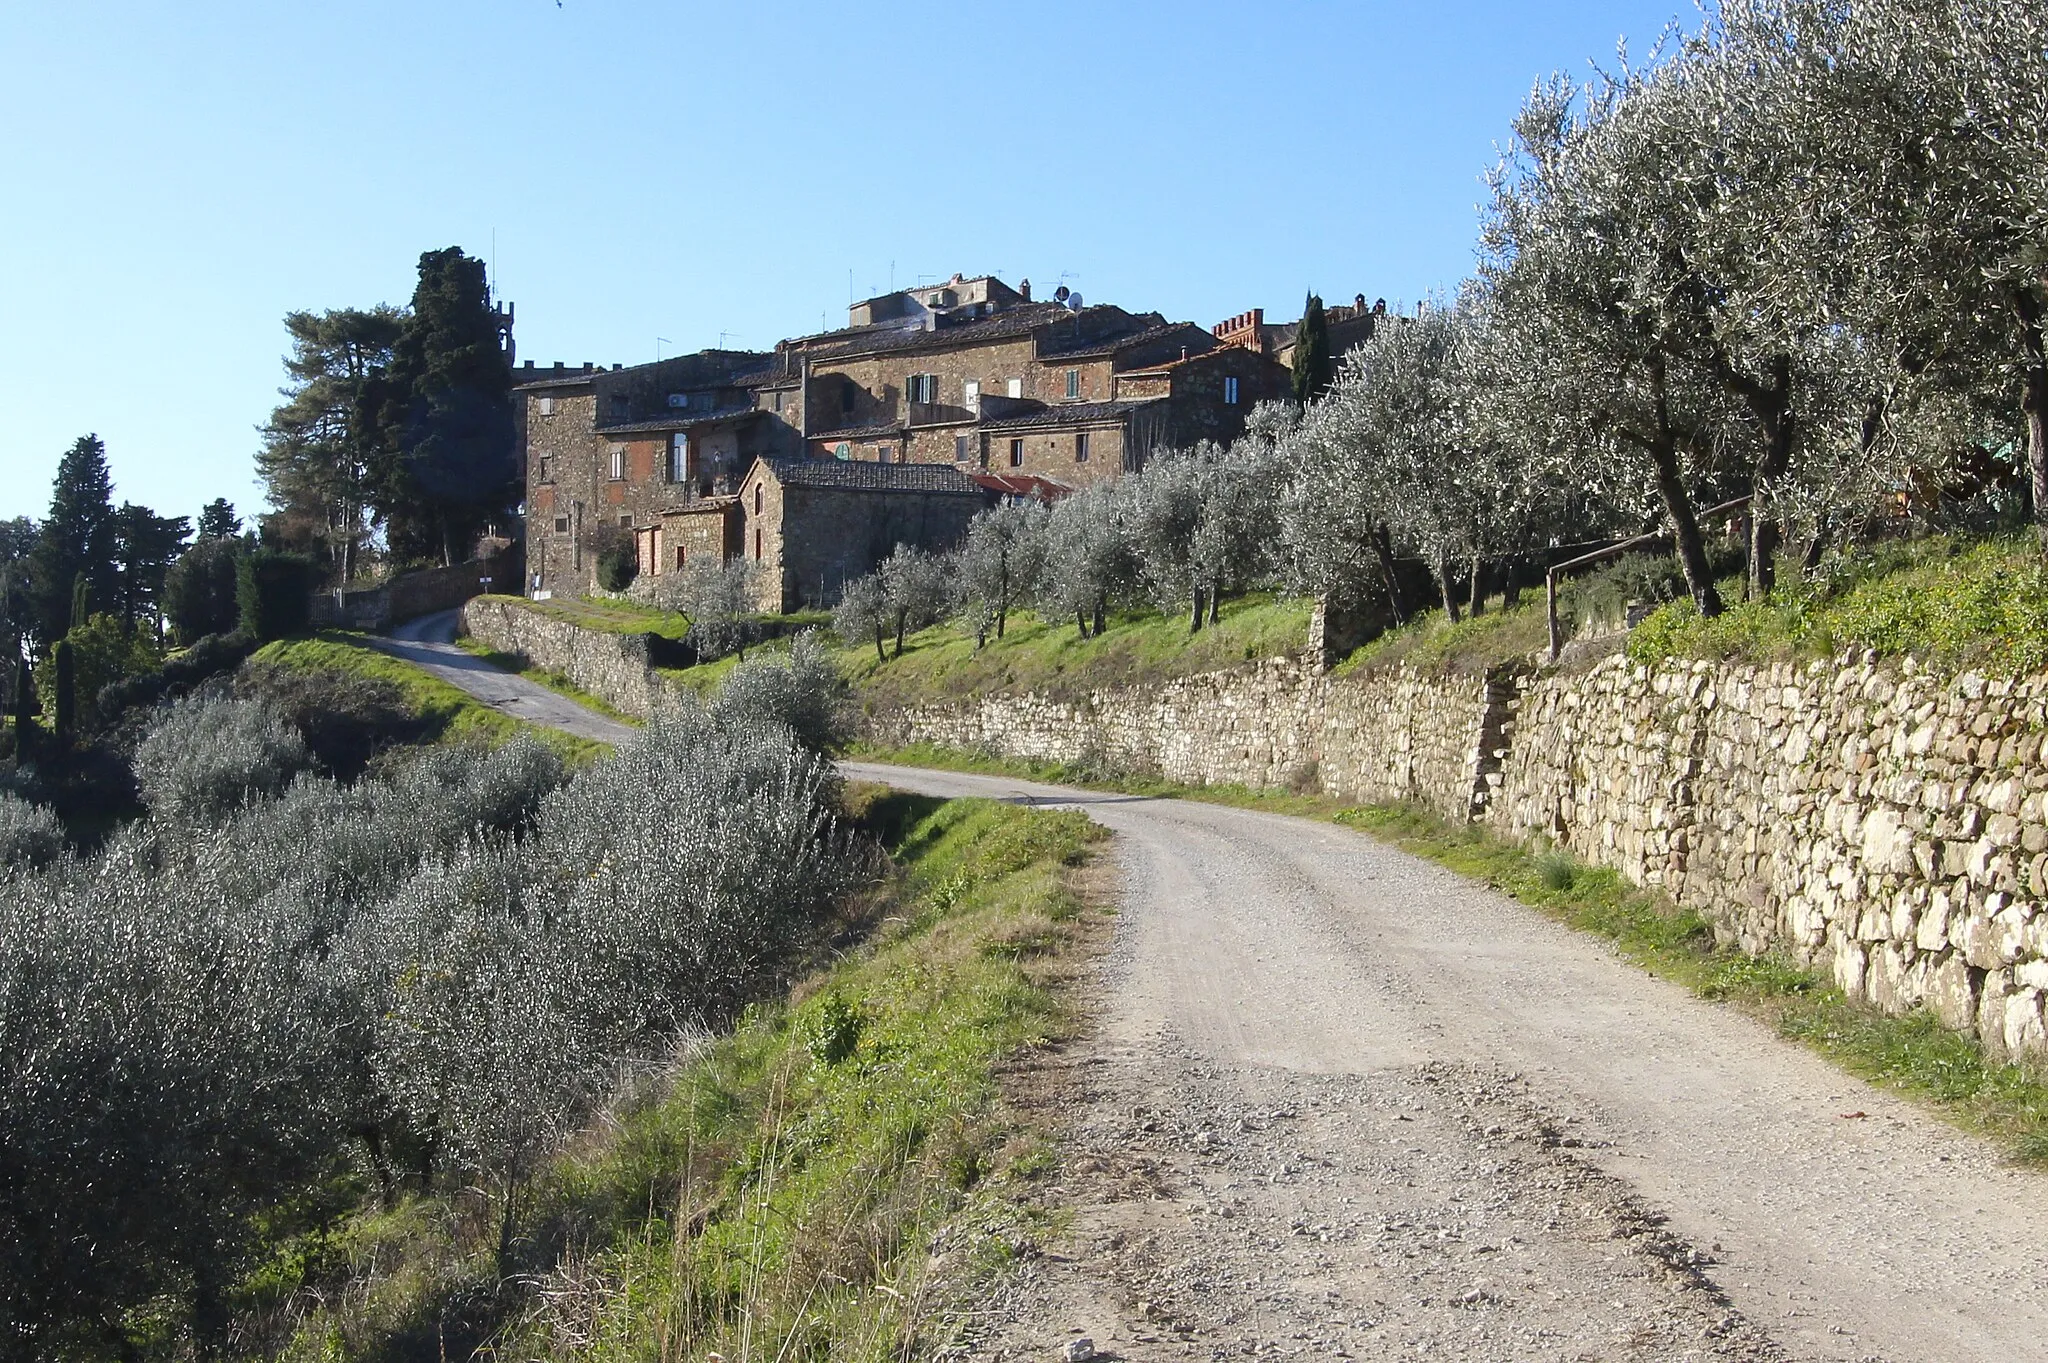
(1351, 325)
(969, 375)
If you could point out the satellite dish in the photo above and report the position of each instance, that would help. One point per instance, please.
(1059, 295)
(1074, 301)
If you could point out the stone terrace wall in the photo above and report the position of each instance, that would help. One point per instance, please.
(1885, 823)
(1381, 737)
(612, 667)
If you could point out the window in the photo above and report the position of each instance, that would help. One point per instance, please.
(970, 394)
(1073, 383)
(679, 558)
(547, 473)
(923, 388)
(679, 458)
(547, 406)
(959, 449)
(1081, 447)
(1016, 388)
(757, 499)
(622, 407)
(779, 396)
(618, 469)
(626, 522)
(842, 450)
(1016, 454)
(1230, 391)
(561, 525)
(757, 544)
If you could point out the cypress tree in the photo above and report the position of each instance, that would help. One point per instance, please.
(447, 464)
(24, 705)
(77, 541)
(1311, 360)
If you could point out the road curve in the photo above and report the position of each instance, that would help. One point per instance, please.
(1841, 1222)
(429, 643)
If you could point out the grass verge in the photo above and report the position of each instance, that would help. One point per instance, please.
(1912, 1055)
(828, 1180)
(453, 714)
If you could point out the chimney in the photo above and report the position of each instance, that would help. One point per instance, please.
(1024, 289)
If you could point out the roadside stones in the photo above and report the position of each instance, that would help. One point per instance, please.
(1079, 1350)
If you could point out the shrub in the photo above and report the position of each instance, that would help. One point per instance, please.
(29, 833)
(104, 652)
(209, 755)
(801, 691)
(616, 568)
(274, 593)
(211, 656)
(346, 718)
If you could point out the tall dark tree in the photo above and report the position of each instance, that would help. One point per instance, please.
(320, 446)
(1311, 361)
(448, 467)
(17, 623)
(78, 541)
(218, 521)
(145, 546)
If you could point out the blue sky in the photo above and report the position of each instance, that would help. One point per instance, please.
(179, 176)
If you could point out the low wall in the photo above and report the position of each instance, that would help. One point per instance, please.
(1884, 823)
(411, 595)
(612, 667)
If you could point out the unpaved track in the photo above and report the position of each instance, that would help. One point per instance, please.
(1342, 1102)
(429, 643)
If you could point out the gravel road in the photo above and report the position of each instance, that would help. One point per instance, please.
(1343, 1103)
(429, 642)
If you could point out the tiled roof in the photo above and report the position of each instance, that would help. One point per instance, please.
(1071, 414)
(548, 378)
(871, 476)
(681, 421)
(703, 505)
(1018, 320)
(857, 433)
(1082, 350)
(1023, 485)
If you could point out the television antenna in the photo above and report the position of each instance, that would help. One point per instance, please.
(659, 342)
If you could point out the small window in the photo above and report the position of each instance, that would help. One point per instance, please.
(959, 449)
(970, 392)
(1081, 447)
(547, 406)
(618, 469)
(626, 522)
(842, 450)
(679, 458)
(680, 558)
(757, 544)
(1016, 454)
(779, 396)
(923, 388)
(1230, 391)
(1073, 383)
(547, 473)
(757, 499)
(561, 525)
(622, 407)
(1016, 388)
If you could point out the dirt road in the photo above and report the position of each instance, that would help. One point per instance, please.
(429, 643)
(1343, 1103)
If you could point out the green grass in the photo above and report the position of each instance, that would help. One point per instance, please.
(1051, 657)
(541, 676)
(609, 616)
(456, 715)
(1432, 643)
(1913, 1055)
(782, 1193)
(1947, 602)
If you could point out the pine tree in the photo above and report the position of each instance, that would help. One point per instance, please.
(146, 545)
(1311, 360)
(77, 541)
(218, 521)
(447, 466)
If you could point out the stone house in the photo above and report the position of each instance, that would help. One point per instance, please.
(1350, 324)
(969, 375)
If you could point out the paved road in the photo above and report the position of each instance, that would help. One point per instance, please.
(428, 642)
(1277, 968)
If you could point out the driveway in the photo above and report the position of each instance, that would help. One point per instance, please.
(429, 643)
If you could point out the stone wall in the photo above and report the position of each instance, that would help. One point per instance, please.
(1883, 823)
(612, 667)
(411, 595)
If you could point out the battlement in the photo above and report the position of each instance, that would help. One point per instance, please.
(1245, 329)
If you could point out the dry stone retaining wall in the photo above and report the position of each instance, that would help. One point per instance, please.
(1881, 822)
(612, 667)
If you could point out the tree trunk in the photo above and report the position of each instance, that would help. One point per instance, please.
(880, 638)
(1443, 587)
(1475, 604)
(1383, 549)
(505, 1226)
(1101, 615)
(1081, 619)
(1215, 603)
(1773, 408)
(2034, 403)
(902, 619)
(1510, 584)
(1195, 616)
(1685, 531)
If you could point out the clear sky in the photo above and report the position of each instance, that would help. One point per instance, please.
(174, 178)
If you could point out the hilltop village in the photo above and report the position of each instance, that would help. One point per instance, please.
(814, 460)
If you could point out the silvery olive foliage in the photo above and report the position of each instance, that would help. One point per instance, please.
(429, 976)
(208, 754)
(29, 833)
(801, 690)
(720, 600)
(999, 565)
